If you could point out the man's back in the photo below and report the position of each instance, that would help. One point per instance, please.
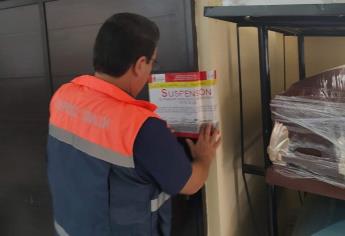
(91, 167)
(112, 163)
(97, 188)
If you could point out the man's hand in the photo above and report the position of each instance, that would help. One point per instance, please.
(203, 152)
(205, 148)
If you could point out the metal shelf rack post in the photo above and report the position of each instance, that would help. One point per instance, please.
(291, 20)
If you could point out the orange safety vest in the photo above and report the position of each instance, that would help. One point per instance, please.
(92, 129)
(101, 119)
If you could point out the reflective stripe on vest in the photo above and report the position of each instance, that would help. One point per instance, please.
(90, 148)
(99, 119)
(159, 201)
(59, 230)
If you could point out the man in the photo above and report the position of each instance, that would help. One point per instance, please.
(112, 163)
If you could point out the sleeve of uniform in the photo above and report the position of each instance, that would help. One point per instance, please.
(159, 157)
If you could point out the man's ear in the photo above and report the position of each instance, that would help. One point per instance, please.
(140, 65)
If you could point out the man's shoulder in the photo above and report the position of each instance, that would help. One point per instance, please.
(154, 124)
(154, 130)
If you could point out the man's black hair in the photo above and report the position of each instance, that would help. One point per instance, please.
(121, 41)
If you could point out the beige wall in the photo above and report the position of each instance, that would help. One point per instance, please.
(322, 53)
(250, 72)
(214, 40)
(291, 60)
(276, 60)
(227, 206)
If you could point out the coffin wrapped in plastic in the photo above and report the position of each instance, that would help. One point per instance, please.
(308, 139)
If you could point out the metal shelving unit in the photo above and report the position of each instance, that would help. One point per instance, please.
(290, 20)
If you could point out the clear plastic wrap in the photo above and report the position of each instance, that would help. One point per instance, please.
(313, 112)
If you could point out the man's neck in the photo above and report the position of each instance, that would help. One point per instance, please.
(121, 82)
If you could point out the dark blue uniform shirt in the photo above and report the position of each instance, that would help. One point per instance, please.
(93, 197)
(159, 157)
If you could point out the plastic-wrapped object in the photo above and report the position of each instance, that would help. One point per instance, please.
(313, 112)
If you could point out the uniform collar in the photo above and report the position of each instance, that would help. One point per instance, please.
(111, 90)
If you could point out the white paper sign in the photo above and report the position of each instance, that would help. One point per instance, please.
(185, 100)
